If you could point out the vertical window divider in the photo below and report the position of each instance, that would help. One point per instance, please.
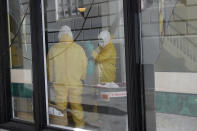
(38, 62)
(134, 70)
(5, 93)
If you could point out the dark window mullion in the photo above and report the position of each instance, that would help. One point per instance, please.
(39, 98)
(135, 93)
(5, 90)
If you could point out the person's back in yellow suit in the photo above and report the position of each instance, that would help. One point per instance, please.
(67, 65)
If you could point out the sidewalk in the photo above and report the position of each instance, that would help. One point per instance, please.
(170, 122)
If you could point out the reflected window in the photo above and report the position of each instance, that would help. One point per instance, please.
(67, 8)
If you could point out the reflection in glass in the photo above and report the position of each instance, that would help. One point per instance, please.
(20, 59)
(86, 66)
(67, 8)
(169, 58)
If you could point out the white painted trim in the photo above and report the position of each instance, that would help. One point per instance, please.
(178, 82)
(21, 76)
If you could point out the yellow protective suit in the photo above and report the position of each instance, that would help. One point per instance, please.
(16, 53)
(67, 65)
(107, 61)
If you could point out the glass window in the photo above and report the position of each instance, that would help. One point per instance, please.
(169, 44)
(20, 59)
(86, 64)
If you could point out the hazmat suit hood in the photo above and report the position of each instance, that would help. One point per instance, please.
(65, 34)
(105, 38)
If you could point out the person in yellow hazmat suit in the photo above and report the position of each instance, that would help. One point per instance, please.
(67, 65)
(105, 57)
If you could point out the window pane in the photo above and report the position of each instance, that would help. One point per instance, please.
(86, 64)
(20, 59)
(169, 57)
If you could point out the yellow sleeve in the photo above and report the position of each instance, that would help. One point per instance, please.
(85, 63)
(104, 55)
(50, 66)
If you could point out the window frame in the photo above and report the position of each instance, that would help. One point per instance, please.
(5, 95)
(134, 70)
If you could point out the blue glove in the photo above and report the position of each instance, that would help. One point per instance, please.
(90, 67)
(90, 48)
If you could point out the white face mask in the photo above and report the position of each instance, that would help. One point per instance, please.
(102, 44)
(104, 37)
